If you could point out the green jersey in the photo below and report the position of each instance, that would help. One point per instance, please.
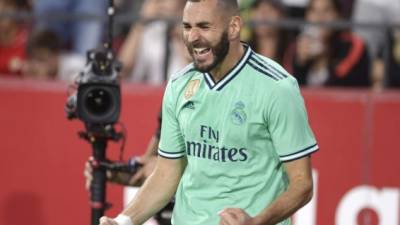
(235, 134)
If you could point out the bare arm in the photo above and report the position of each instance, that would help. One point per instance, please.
(127, 54)
(148, 161)
(151, 198)
(151, 9)
(299, 192)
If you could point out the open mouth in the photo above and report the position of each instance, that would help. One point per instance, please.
(201, 53)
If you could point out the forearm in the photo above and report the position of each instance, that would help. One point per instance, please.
(147, 161)
(152, 148)
(296, 196)
(127, 54)
(151, 198)
(298, 193)
(119, 177)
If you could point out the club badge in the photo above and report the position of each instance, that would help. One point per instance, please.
(238, 114)
(192, 88)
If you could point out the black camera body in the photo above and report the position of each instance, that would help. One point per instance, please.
(98, 97)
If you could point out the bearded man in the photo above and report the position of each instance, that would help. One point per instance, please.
(235, 141)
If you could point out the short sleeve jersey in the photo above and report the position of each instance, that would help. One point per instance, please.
(235, 135)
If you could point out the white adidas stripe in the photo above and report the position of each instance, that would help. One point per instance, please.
(233, 72)
(171, 155)
(299, 154)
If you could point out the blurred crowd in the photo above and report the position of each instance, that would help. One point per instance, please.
(53, 45)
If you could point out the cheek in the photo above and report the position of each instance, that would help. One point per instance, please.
(312, 17)
(185, 39)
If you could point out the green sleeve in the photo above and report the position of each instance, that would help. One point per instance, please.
(171, 145)
(288, 123)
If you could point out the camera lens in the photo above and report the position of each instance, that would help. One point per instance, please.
(98, 101)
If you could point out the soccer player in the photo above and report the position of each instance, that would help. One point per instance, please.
(235, 141)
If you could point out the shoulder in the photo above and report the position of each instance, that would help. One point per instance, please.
(179, 79)
(268, 71)
(183, 73)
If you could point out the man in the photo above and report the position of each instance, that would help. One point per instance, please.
(235, 141)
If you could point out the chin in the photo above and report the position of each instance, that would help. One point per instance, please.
(203, 67)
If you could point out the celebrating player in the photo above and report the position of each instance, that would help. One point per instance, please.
(235, 141)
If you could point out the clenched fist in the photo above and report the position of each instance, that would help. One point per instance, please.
(107, 221)
(235, 216)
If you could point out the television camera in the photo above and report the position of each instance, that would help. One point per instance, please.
(96, 101)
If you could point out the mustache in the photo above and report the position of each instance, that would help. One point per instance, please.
(197, 44)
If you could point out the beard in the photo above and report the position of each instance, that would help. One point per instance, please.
(219, 52)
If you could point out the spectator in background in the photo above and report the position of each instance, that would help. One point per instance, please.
(380, 41)
(322, 56)
(13, 36)
(268, 40)
(80, 35)
(393, 80)
(154, 49)
(45, 59)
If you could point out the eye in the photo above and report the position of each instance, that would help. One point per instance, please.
(204, 26)
(186, 27)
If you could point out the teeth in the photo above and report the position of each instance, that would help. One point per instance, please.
(200, 50)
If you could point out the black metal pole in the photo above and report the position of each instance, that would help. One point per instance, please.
(98, 186)
(110, 13)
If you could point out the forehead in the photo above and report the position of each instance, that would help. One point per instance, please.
(204, 10)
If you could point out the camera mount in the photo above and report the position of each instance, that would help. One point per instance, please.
(98, 136)
(97, 103)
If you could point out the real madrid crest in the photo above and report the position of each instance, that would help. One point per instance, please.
(191, 88)
(238, 114)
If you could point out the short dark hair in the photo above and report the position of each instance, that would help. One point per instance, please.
(230, 6)
(18, 4)
(277, 4)
(337, 5)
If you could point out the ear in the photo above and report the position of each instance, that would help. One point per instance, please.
(235, 26)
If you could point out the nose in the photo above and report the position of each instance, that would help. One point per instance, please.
(193, 35)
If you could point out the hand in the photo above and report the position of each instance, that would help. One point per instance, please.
(235, 216)
(148, 165)
(149, 10)
(107, 221)
(307, 49)
(153, 9)
(88, 173)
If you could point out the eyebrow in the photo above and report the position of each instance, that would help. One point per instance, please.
(199, 24)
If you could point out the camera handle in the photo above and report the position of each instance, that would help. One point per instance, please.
(98, 185)
(98, 137)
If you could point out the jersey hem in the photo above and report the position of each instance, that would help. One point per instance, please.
(171, 155)
(299, 154)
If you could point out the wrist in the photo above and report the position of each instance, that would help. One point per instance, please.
(122, 219)
(259, 220)
(255, 221)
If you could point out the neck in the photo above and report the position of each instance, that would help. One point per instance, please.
(235, 53)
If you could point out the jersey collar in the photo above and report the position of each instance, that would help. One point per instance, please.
(231, 74)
